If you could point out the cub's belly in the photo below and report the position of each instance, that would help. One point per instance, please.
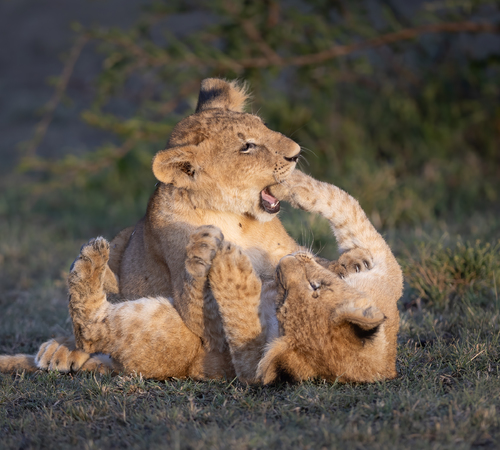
(141, 274)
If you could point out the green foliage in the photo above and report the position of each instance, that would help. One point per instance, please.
(409, 127)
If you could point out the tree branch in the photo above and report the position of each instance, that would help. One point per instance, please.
(385, 39)
(272, 59)
(43, 125)
(252, 32)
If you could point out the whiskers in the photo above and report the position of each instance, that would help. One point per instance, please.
(308, 242)
(300, 161)
(302, 157)
(308, 150)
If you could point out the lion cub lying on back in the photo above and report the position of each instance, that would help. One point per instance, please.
(338, 322)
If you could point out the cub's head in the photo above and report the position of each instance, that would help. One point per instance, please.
(227, 159)
(328, 329)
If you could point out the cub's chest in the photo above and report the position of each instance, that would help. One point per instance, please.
(264, 243)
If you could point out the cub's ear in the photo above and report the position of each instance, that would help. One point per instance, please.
(177, 166)
(365, 320)
(282, 363)
(217, 93)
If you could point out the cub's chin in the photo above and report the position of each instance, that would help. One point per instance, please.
(260, 214)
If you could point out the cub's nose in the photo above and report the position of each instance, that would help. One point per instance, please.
(293, 158)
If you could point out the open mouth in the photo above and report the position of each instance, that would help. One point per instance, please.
(270, 204)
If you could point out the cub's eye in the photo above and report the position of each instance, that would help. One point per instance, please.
(247, 147)
(315, 285)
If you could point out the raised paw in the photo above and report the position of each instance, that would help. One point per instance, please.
(88, 270)
(233, 274)
(201, 250)
(61, 355)
(353, 261)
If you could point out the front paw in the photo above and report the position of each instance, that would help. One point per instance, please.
(201, 250)
(299, 189)
(88, 270)
(285, 189)
(355, 260)
(233, 275)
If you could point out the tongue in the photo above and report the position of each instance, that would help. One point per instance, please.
(266, 196)
(269, 203)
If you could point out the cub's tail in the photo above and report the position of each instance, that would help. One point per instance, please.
(13, 363)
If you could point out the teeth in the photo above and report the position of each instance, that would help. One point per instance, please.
(274, 204)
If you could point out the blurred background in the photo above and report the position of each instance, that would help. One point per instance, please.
(395, 101)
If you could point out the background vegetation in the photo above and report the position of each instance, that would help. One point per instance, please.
(397, 102)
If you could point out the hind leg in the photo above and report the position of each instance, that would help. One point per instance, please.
(145, 336)
(237, 289)
(88, 306)
(61, 353)
(89, 276)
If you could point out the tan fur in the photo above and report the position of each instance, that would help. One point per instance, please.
(13, 363)
(59, 354)
(145, 336)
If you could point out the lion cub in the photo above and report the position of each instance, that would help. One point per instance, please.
(339, 323)
(336, 323)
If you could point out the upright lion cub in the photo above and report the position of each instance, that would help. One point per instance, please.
(216, 170)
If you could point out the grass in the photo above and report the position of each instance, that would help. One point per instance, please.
(442, 275)
(88, 411)
(447, 394)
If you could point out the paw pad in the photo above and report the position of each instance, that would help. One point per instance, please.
(353, 261)
(203, 245)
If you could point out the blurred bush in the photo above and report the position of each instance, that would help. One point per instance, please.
(399, 106)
